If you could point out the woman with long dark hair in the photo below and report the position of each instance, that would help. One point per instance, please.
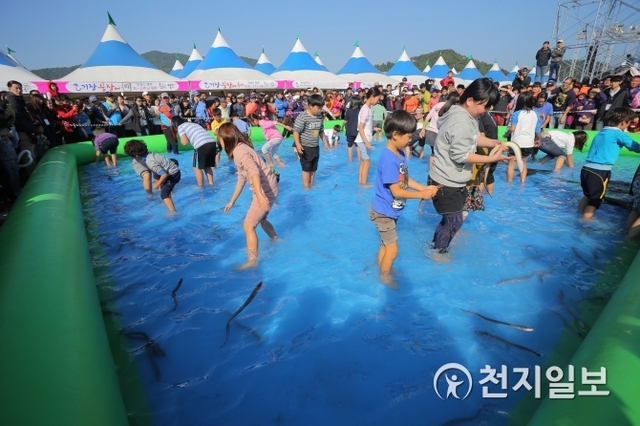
(455, 154)
(263, 183)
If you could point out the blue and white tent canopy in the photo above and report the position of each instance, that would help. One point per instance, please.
(468, 74)
(495, 73)
(316, 58)
(358, 68)
(264, 64)
(177, 69)
(439, 69)
(115, 61)
(405, 68)
(11, 70)
(303, 71)
(222, 68)
(513, 73)
(192, 63)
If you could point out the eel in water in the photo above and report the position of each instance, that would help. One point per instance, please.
(235, 314)
(506, 342)
(173, 295)
(516, 150)
(495, 321)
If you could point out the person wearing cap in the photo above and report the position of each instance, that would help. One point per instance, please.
(97, 112)
(411, 102)
(542, 61)
(239, 108)
(556, 60)
(166, 114)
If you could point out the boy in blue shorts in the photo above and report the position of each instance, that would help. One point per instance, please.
(307, 131)
(164, 170)
(392, 189)
(603, 153)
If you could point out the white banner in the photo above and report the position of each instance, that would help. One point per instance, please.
(237, 84)
(319, 84)
(104, 86)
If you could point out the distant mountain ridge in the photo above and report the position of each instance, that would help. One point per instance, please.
(164, 61)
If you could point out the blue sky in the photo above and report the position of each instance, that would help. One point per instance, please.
(486, 29)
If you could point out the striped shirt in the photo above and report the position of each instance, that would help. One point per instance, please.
(196, 134)
(156, 164)
(310, 129)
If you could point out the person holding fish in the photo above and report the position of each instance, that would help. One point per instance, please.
(262, 182)
(455, 154)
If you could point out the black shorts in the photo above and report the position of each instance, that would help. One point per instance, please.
(524, 151)
(309, 158)
(448, 199)
(415, 137)
(109, 146)
(351, 140)
(594, 184)
(168, 184)
(492, 168)
(205, 156)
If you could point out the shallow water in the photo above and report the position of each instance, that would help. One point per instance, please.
(324, 342)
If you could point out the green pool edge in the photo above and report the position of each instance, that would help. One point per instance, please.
(57, 354)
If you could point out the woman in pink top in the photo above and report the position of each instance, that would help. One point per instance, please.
(262, 182)
(431, 132)
(336, 107)
(272, 136)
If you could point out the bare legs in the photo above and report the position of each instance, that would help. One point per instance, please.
(252, 241)
(208, 171)
(363, 171)
(307, 179)
(386, 256)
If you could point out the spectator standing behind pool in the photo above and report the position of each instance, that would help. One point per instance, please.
(392, 189)
(603, 153)
(308, 129)
(263, 183)
(542, 61)
(164, 170)
(106, 144)
(204, 148)
(556, 60)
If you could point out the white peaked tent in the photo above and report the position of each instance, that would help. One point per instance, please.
(264, 64)
(192, 63)
(439, 69)
(318, 60)
(222, 68)
(405, 68)
(303, 71)
(358, 68)
(496, 74)
(116, 63)
(513, 73)
(177, 69)
(11, 70)
(426, 69)
(454, 70)
(468, 74)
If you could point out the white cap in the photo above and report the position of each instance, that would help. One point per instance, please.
(145, 93)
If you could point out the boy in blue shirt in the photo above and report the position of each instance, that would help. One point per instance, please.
(392, 189)
(603, 153)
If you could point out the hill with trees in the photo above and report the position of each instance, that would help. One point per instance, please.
(162, 60)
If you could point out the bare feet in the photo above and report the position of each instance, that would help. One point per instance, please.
(388, 280)
(248, 265)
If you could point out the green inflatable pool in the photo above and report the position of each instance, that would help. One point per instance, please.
(56, 364)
